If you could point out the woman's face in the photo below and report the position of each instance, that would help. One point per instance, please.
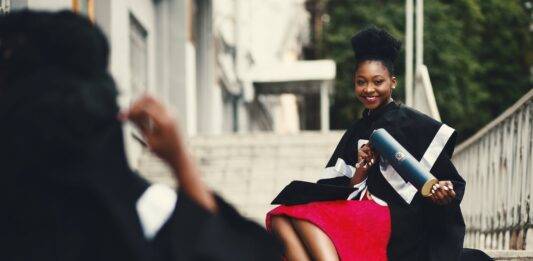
(373, 84)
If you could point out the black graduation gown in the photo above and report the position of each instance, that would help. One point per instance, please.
(421, 230)
(88, 212)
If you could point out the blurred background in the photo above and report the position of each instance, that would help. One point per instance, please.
(263, 89)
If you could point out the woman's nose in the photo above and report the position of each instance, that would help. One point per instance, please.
(368, 89)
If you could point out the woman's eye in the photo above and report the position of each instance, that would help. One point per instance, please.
(360, 82)
(379, 82)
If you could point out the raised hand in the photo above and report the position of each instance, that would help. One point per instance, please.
(157, 126)
(161, 133)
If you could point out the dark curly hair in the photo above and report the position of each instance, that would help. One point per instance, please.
(56, 97)
(31, 40)
(376, 44)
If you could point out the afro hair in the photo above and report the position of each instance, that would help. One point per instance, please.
(58, 98)
(32, 40)
(373, 43)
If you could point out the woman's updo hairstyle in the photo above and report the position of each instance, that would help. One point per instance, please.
(374, 44)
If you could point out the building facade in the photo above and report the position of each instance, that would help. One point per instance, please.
(199, 56)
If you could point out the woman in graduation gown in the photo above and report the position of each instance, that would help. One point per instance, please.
(68, 192)
(363, 209)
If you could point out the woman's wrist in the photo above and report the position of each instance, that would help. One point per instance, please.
(359, 176)
(177, 160)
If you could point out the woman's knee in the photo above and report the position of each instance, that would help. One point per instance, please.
(316, 241)
(280, 223)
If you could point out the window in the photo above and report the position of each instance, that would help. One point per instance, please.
(84, 7)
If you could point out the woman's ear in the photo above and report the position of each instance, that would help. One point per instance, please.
(394, 81)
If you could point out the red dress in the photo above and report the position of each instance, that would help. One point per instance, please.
(360, 230)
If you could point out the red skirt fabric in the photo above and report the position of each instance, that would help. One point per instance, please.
(360, 230)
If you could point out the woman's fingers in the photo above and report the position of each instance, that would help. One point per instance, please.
(447, 183)
(442, 193)
(449, 195)
(363, 155)
(366, 157)
(372, 154)
(448, 188)
(368, 154)
(439, 194)
(149, 115)
(139, 114)
(141, 119)
(148, 106)
(452, 193)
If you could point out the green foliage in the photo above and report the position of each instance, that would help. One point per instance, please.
(476, 52)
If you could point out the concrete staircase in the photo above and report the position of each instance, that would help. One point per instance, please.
(248, 170)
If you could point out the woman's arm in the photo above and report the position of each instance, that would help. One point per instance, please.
(451, 185)
(161, 134)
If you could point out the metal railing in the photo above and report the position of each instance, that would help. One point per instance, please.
(497, 163)
(424, 98)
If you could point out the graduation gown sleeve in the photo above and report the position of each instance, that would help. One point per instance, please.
(340, 167)
(192, 233)
(446, 227)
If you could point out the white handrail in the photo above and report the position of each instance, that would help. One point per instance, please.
(496, 163)
(424, 98)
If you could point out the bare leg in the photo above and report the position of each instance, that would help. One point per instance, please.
(318, 245)
(294, 248)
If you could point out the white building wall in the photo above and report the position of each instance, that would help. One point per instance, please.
(176, 61)
(276, 26)
(262, 32)
(171, 57)
(209, 94)
(196, 97)
(114, 19)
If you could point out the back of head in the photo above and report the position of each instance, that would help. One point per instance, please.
(57, 99)
(69, 192)
(31, 40)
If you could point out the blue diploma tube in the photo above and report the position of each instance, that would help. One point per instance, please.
(402, 161)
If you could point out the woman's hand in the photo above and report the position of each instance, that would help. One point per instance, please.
(366, 158)
(442, 193)
(160, 131)
(157, 126)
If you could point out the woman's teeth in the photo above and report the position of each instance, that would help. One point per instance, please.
(371, 99)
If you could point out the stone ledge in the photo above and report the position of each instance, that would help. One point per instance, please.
(510, 254)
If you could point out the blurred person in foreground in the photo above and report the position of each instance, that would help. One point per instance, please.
(68, 192)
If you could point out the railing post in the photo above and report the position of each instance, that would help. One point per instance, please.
(324, 106)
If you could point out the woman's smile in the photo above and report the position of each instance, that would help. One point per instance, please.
(370, 99)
